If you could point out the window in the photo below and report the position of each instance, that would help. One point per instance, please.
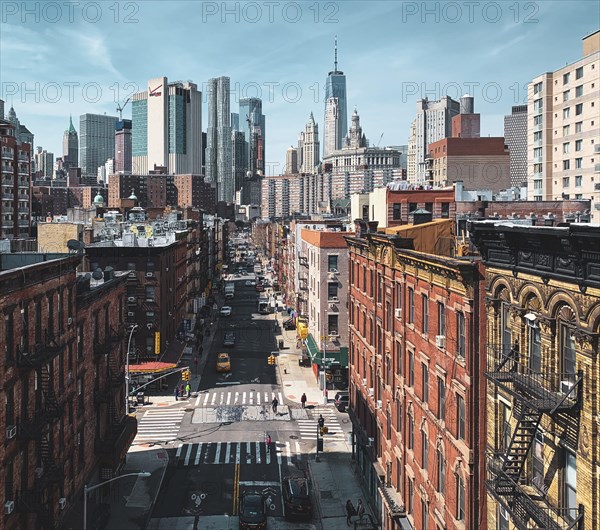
(332, 325)
(566, 165)
(332, 262)
(570, 484)
(441, 318)
(425, 312)
(332, 290)
(537, 152)
(566, 130)
(579, 91)
(149, 293)
(537, 88)
(579, 73)
(537, 461)
(460, 498)
(565, 181)
(424, 451)
(460, 330)
(411, 305)
(566, 95)
(578, 126)
(423, 514)
(411, 432)
(9, 336)
(425, 382)
(460, 417)
(566, 148)
(578, 109)
(411, 368)
(537, 120)
(505, 428)
(578, 163)
(566, 78)
(445, 210)
(568, 350)
(578, 144)
(399, 357)
(399, 296)
(411, 495)
(502, 519)
(538, 104)
(441, 408)
(441, 471)
(566, 113)
(399, 416)
(412, 206)
(537, 184)
(397, 212)
(535, 349)
(578, 180)
(537, 136)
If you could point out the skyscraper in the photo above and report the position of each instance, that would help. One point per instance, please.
(252, 122)
(218, 139)
(70, 146)
(291, 160)
(515, 136)
(239, 158)
(332, 127)
(44, 162)
(97, 142)
(167, 127)
(123, 155)
(311, 147)
(335, 87)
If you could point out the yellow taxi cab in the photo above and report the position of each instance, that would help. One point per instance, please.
(223, 362)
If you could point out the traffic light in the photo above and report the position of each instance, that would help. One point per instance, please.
(186, 375)
(271, 359)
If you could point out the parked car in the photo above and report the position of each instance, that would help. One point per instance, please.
(296, 498)
(341, 401)
(225, 311)
(229, 339)
(223, 362)
(260, 288)
(253, 512)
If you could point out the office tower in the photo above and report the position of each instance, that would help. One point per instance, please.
(291, 161)
(167, 127)
(97, 142)
(218, 139)
(235, 121)
(432, 123)
(1, 109)
(44, 162)
(253, 125)
(563, 129)
(123, 146)
(515, 136)
(22, 133)
(335, 87)
(311, 147)
(239, 158)
(70, 146)
(332, 127)
(301, 151)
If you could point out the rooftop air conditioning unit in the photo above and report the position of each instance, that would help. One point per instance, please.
(131, 298)
(364, 382)
(11, 432)
(62, 503)
(371, 392)
(9, 507)
(440, 341)
(379, 403)
(398, 312)
(149, 275)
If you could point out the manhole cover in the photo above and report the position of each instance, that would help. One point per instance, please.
(293, 437)
(326, 494)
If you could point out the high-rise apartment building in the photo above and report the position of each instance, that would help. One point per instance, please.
(335, 87)
(96, 142)
(44, 162)
(167, 127)
(70, 146)
(432, 123)
(301, 151)
(239, 158)
(563, 130)
(218, 138)
(291, 161)
(515, 136)
(253, 124)
(123, 157)
(235, 121)
(311, 147)
(331, 127)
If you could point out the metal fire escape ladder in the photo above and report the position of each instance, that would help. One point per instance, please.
(520, 445)
(52, 407)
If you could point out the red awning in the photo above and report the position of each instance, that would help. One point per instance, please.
(151, 368)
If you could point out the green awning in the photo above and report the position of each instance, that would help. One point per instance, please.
(337, 356)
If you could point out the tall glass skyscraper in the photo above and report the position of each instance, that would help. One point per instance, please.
(218, 139)
(96, 142)
(335, 87)
(252, 123)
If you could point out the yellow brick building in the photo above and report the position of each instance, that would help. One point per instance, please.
(543, 324)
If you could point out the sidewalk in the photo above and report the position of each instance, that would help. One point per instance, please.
(334, 478)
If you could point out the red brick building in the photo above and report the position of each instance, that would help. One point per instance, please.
(416, 379)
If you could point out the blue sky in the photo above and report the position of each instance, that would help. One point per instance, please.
(58, 58)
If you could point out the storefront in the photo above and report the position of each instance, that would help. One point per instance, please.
(334, 363)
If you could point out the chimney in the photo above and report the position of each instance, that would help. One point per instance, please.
(373, 226)
(109, 273)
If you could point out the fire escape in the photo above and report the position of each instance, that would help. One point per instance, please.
(535, 394)
(36, 425)
(303, 283)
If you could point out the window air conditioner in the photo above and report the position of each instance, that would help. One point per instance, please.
(364, 382)
(333, 333)
(371, 392)
(333, 300)
(149, 275)
(130, 314)
(371, 442)
(11, 432)
(70, 321)
(566, 386)
(39, 472)
(333, 271)
(62, 502)
(131, 299)
(379, 403)
(440, 341)
(9, 507)
(398, 312)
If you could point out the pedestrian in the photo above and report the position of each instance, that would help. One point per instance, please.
(181, 390)
(360, 510)
(350, 511)
(176, 392)
(268, 439)
(303, 400)
(188, 389)
(274, 404)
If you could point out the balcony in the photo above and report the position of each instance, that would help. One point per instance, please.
(103, 395)
(7, 155)
(544, 392)
(31, 426)
(51, 474)
(102, 347)
(115, 444)
(28, 501)
(32, 357)
(526, 505)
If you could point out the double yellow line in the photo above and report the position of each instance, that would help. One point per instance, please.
(236, 489)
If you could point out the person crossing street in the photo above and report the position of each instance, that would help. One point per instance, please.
(303, 400)
(274, 404)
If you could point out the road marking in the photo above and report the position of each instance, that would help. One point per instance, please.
(266, 397)
(288, 450)
(178, 451)
(218, 454)
(247, 450)
(258, 398)
(198, 453)
(237, 452)
(244, 398)
(187, 456)
(228, 398)
(222, 397)
(268, 457)
(237, 396)
(251, 396)
(278, 457)
(227, 452)
(236, 488)
(206, 400)
(258, 452)
(280, 398)
(205, 456)
(260, 483)
(214, 398)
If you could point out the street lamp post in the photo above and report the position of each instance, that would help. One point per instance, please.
(323, 361)
(127, 370)
(87, 489)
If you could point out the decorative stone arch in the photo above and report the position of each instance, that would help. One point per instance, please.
(387, 257)
(424, 427)
(530, 298)
(594, 318)
(439, 445)
(500, 284)
(557, 301)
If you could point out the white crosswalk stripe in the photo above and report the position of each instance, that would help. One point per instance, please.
(308, 428)
(159, 425)
(231, 398)
(194, 454)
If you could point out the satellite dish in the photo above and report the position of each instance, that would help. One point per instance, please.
(98, 274)
(74, 245)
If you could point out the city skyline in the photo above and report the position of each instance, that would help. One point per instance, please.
(408, 67)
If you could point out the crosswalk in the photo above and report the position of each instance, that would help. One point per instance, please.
(201, 453)
(308, 428)
(159, 425)
(230, 398)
